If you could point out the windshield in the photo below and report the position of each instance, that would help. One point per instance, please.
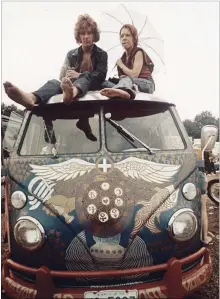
(62, 130)
(153, 125)
(58, 129)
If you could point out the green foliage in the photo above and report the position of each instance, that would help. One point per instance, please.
(194, 127)
(7, 109)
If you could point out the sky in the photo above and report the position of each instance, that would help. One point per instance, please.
(37, 35)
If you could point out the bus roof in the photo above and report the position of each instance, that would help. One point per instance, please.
(96, 96)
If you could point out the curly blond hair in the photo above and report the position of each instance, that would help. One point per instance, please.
(85, 22)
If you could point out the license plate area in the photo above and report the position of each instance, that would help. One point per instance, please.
(112, 294)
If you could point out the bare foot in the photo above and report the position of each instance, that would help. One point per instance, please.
(70, 92)
(113, 92)
(25, 99)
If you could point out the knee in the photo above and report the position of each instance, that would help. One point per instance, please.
(54, 85)
(107, 84)
(124, 77)
(151, 88)
(54, 81)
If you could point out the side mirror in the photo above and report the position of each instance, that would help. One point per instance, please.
(209, 135)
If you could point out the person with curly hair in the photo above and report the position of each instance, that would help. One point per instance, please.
(134, 67)
(84, 69)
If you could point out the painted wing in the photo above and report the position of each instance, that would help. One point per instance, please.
(168, 204)
(147, 170)
(42, 185)
(161, 201)
(63, 171)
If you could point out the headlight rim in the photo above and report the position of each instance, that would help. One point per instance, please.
(39, 226)
(20, 191)
(172, 219)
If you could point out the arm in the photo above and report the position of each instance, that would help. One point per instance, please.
(99, 74)
(138, 63)
(64, 68)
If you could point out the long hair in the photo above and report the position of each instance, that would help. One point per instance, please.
(85, 22)
(133, 32)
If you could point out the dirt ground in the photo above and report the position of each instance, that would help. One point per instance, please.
(211, 290)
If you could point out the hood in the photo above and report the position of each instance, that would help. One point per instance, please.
(100, 204)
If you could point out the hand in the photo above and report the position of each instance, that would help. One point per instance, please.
(72, 74)
(119, 63)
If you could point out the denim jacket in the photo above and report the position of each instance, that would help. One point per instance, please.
(99, 61)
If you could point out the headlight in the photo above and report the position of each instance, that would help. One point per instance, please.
(18, 199)
(29, 233)
(182, 225)
(189, 191)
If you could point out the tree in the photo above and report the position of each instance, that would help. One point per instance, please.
(7, 109)
(194, 127)
(205, 118)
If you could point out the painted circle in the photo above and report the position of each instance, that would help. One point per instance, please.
(105, 201)
(115, 213)
(92, 194)
(119, 202)
(118, 191)
(91, 209)
(105, 186)
(103, 217)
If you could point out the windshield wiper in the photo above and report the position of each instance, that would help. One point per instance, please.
(121, 130)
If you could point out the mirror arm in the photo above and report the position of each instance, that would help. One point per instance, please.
(203, 150)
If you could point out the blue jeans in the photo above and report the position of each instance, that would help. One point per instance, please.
(127, 83)
(83, 83)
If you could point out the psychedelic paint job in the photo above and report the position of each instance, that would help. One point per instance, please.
(75, 189)
(105, 211)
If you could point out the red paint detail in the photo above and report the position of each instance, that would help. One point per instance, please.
(7, 194)
(169, 287)
(107, 273)
(44, 283)
(173, 279)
